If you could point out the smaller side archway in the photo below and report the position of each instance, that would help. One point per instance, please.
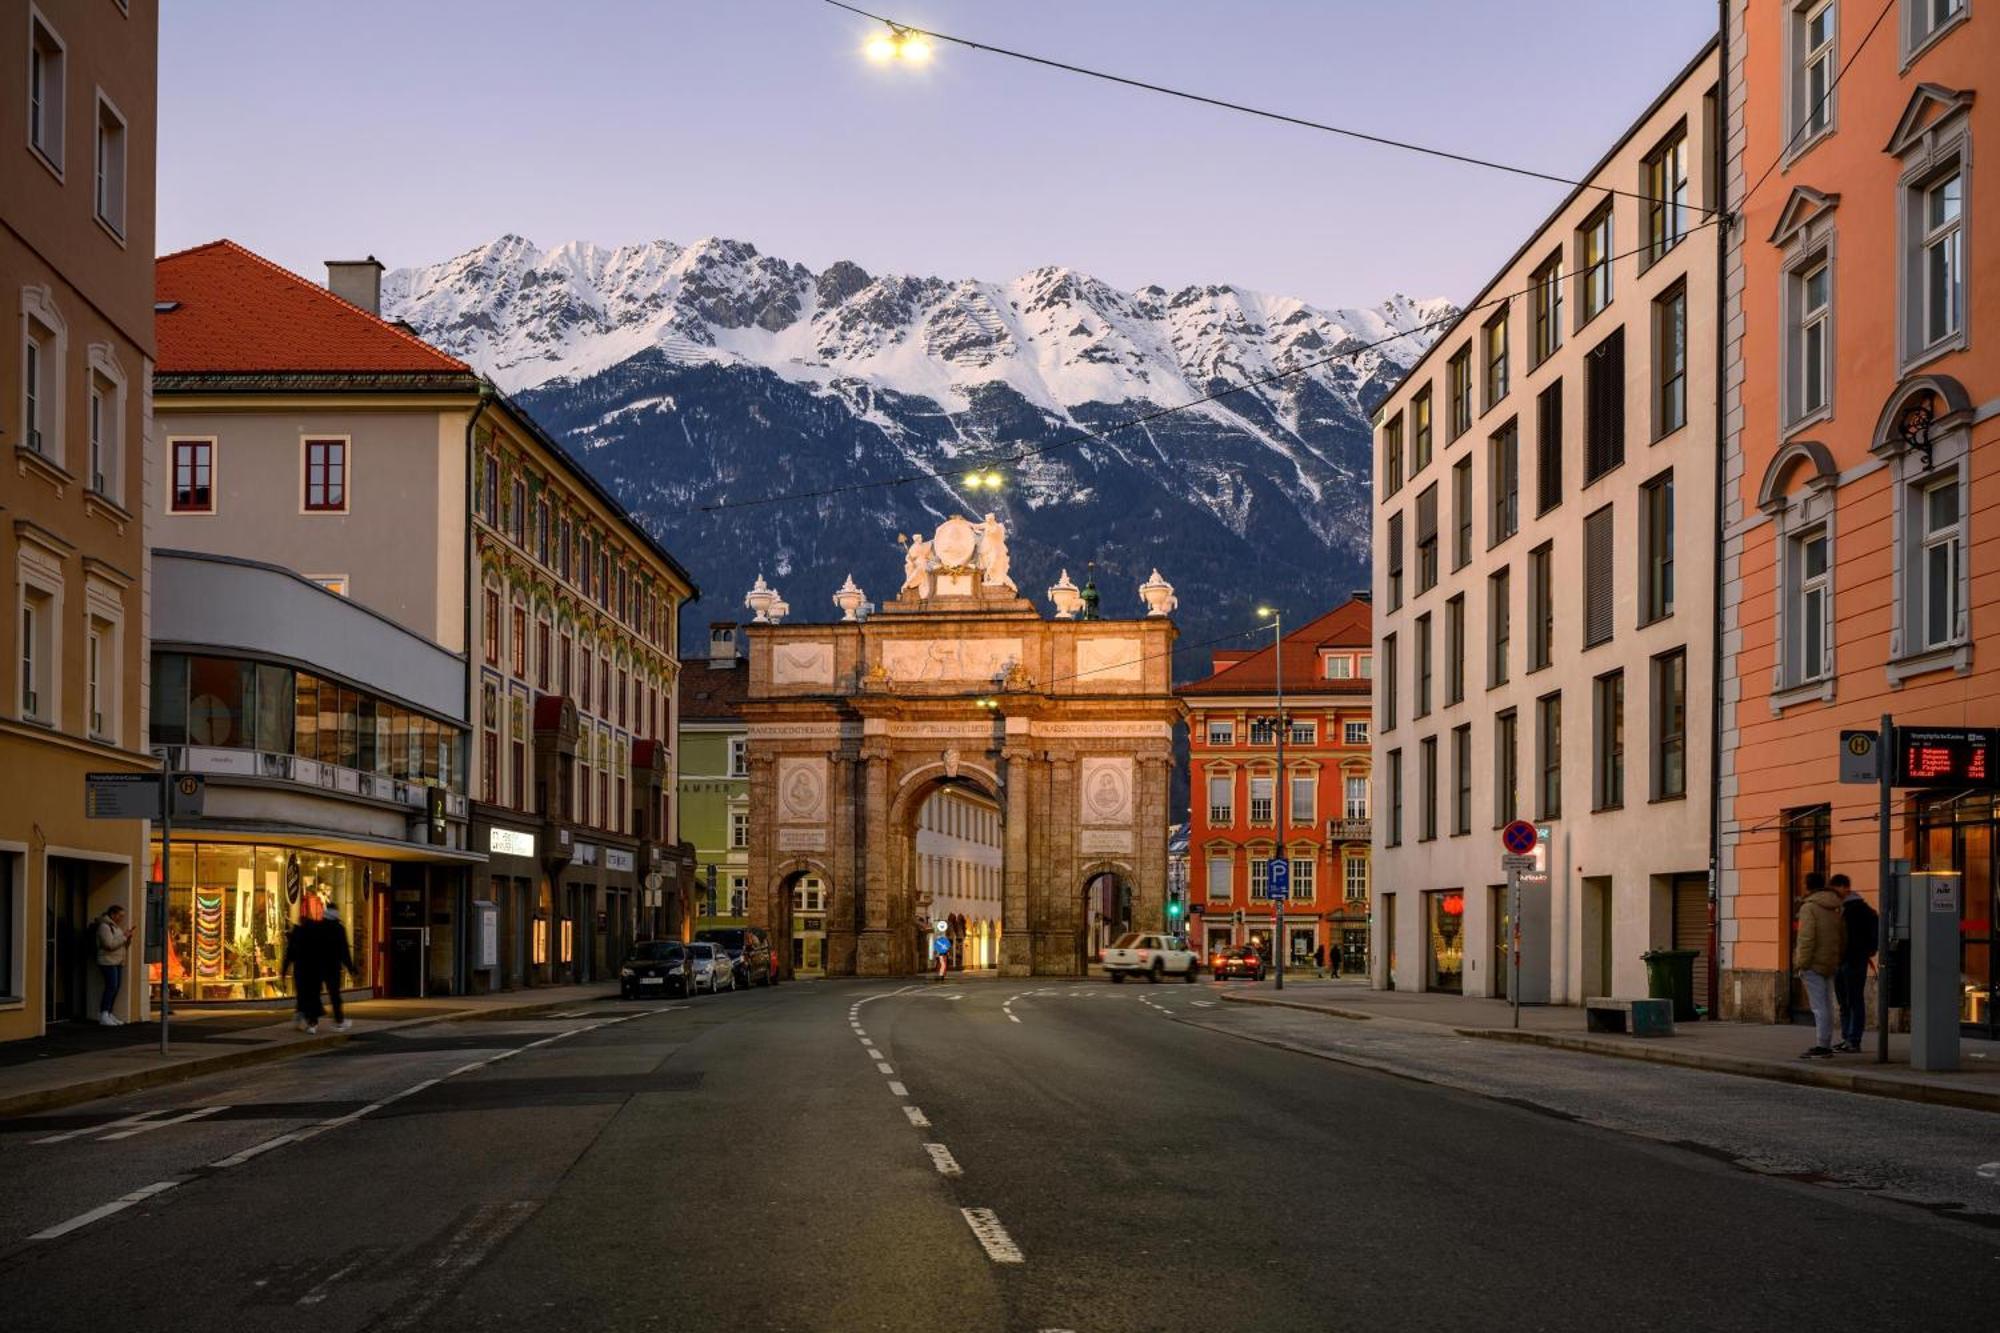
(801, 904)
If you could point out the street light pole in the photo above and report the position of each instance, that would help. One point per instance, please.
(1280, 795)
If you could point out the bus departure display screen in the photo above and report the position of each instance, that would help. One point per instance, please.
(1937, 757)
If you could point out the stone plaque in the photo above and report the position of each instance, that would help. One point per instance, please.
(1106, 790)
(801, 789)
(1102, 660)
(949, 659)
(801, 840)
(1104, 840)
(802, 664)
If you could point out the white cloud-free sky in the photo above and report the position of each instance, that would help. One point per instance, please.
(415, 129)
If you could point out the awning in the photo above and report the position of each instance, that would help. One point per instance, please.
(320, 840)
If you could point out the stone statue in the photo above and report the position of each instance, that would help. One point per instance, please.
(917, 567)
(992, 558)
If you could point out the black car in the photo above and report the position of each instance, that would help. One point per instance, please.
(655, 967)
(749, 950)
(1239, 961)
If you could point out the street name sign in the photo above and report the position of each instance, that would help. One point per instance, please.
(1860, 758)
(1278, 881)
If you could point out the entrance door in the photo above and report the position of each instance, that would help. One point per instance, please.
(1596, 936)
(1497, 913)
(1389, 941)
(69, 951)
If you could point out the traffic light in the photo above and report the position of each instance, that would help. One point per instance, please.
(1173, 907)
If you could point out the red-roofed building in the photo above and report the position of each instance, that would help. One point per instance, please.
(1235, 789)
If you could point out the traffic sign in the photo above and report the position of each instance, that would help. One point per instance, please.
(1512, 862)
(1278, 880)
(941, 927)
(1519, 837)
(1860, 758)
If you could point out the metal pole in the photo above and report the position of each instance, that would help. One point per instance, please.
(1885, 753)
(1514, 941)
(166, 880)
(1283, 796)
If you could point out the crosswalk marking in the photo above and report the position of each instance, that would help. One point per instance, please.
(150, 1125)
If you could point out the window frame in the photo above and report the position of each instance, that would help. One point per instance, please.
(1670, 381)
(1664, 179)
(1669, 723)
(1500, 627)
(115, 178)
(1940, 149)
(174, 445)
(1549, 448)
(1801, 133)
(344, 466)
(1461, 513)
(1461, 778)
(1495, 357)
(1600, 590)
(1422, 428)
(1458, 393)
(1506, 767)
(1541, 607)
(1392, 455)
(1503, 482)
(1656, 564)
(50, 155)
(1596, 246)
(1454, 651)
(1427, 804)
(1546, 310)
(1226, 726)
(1392, 834)
(1607, 704)
(1919, 40)
(1548, 751)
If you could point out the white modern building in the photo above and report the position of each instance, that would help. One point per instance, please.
(958, 870)
(1544, 537)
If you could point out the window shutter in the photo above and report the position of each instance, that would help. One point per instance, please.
(1549, 449)
(1395, 543)
(1597, 577)
(1604, 388)
(1427, 515)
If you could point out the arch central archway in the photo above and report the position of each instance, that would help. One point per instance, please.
(947, 859)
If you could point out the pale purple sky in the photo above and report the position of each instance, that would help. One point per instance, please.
(415, 129)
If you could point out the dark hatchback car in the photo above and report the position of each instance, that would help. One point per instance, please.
(655, 967)
(1241, 961)
(749, 950)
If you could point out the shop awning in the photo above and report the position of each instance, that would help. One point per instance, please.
(320, 840)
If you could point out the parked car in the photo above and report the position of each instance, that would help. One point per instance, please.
(653, 968)
(1151, 957)
(749, 950)
(1239, 961)
(712, 969)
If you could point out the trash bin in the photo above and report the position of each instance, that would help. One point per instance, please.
(1670, 976)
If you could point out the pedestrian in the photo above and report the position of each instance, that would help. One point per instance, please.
(336, 960)
(1319, 959)
(302, 962)
(1850, 980)
(941, 946)
(113, 940)
(1333, 962)
(1816, 954)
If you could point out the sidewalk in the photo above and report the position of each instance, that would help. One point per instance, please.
(1756, 1050)
(80, 1062)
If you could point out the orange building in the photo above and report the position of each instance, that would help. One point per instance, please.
(1235, 792)
(1859, 460)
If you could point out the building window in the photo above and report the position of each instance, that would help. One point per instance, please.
(1393, 836)
(1541, 606)
(1392, 455)
(1549, 448)
(1599, 619)
(1608, 734)
(1808, 607)
(1461, 513)
(1357, 732)
(1670, 361)
(517, 512)
(1454, 650)
(586, 677)
(489, 744)
(1656, 544)
(1506, 769)
(739, 756)
(517, 640)
(739, 829)
(565, 646)
(1593, 262)
(1670, 725)
(43, 393)
(107, 435)
(1366, 663)
(1493, 337)
(1221, 800)
(1263, 799)
(1548, 739)
(1666, 195)
(1548, 308)
(1500, 616)
(326, 476)
(1420, 430)
(1604, 407)
(1263, 731)
(490, 625)
(1938, 560)
(1221, 875)
(1221, 731)
(1260, 878)
(1423, 681)
(1356, 802)
(1303, 733)
(517, 752)
(47, 97)
(38, 649)
(100, 667)
(1389, 683)
(489, 490)
(542, 530)
(563, 563)
(194, 476)
(1927, 20)
(1461, 780)
(1503, 478)
(1305, 802)
(1427, 798)
(1939, 262)
(1302, 887)
(543, 640)
(109, 193)
(1427, 539)
(1458, 383)
(1356, 868)
(1810, 306)
(1337, 666)
(1395, 561)
(1814, 64)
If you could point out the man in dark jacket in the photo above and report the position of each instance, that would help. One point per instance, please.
(1850, 980)
(302, 961)
(335, 959)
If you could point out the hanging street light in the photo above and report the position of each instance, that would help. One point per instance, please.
(899, 43)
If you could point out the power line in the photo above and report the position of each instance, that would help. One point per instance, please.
(1083, 436)
(1204, 99)
(1806, 122)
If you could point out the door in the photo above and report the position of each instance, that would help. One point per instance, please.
(69, 950)
(1691, 927)
(1503, 973)
(406, 961)
(1596, 972)
(1389, 941)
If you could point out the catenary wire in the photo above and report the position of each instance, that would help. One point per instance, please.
(1381, 140)
(1083, 436)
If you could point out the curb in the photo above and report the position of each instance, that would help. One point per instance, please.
(138, 1080)
(1812, 1076)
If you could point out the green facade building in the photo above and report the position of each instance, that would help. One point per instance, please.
(715, 778)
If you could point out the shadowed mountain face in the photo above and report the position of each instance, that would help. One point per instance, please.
(711, 375)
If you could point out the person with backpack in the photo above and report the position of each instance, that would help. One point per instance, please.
(1850, 978)
(113, 941)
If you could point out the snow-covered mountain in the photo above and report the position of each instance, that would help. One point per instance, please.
(691, 375)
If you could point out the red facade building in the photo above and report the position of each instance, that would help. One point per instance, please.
(1235, 791)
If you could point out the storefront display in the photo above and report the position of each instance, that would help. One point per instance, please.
(1958, 834)
(230, 906)
(1446, 962)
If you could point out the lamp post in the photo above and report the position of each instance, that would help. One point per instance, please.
(1281, 790)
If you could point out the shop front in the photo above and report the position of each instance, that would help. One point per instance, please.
(506, 889)
(1958, 835)
(1444, 960)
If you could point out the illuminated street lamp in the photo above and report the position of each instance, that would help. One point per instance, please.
(983, 479)
(899, 43)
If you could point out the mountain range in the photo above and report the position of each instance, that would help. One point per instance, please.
(752, 414)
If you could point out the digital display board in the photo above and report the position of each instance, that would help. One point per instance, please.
(1946, 757)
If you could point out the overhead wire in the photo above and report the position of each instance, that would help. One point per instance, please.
(1805, 123)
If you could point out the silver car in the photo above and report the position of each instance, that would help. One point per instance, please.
(713, 970)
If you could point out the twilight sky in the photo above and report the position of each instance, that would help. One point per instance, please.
(415, 129)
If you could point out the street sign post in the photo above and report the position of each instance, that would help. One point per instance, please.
(1278, 881)
(1518, 843)
(163, 796)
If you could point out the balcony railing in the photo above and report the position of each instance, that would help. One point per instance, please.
(1349, 830)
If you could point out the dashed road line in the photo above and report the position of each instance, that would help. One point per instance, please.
(69, 1134)
(103, 1211)
(150, 1125)
(941, 1158)
(898, 1089)
(884, 1067)
(993, 1237)
(917, 1117)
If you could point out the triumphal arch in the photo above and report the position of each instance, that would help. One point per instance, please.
(1065, 721)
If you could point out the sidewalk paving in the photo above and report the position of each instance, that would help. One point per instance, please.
(80, 1062)
(1756, 1050)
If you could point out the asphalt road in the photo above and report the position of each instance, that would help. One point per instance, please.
(986, 1155)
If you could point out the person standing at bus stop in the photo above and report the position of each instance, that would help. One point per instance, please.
(1816, 954)
(1850, 980)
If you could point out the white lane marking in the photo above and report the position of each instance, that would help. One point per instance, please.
(941, 1158)
(324, 1287)
(466, 1250)
(898, 1088)
(884, 1067)
(993, 1237)
(1012, 1019)
(102, 1211)
(410, 1091)
(256, 1150)
(162, 1124)
(917, 1117)
(69, 1134)
(1203, 1004)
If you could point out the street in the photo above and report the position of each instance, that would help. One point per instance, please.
(986, 1154)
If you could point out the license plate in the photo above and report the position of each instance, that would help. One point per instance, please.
(652, 981)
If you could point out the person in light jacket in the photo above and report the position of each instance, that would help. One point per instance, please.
(1816, 955)
(113, 941)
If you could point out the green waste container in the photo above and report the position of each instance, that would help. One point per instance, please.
(1670, 976)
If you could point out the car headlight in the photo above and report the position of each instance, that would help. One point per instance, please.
(625, 972)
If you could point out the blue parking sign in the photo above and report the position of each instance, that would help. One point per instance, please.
(1278, 880)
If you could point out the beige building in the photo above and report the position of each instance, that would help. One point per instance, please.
(959, 862)
(76, 350)
(1544, 563)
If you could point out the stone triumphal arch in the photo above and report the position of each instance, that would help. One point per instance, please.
(1066, 723)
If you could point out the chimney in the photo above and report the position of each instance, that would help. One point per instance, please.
(722, 648)
(356, 281)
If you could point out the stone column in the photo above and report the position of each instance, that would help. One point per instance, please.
(1056, 894)
(844, 896)
(1151, 774)
(764, 856)
(1016, 943)
(872, 949)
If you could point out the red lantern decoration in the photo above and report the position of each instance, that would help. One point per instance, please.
(1454, 904)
